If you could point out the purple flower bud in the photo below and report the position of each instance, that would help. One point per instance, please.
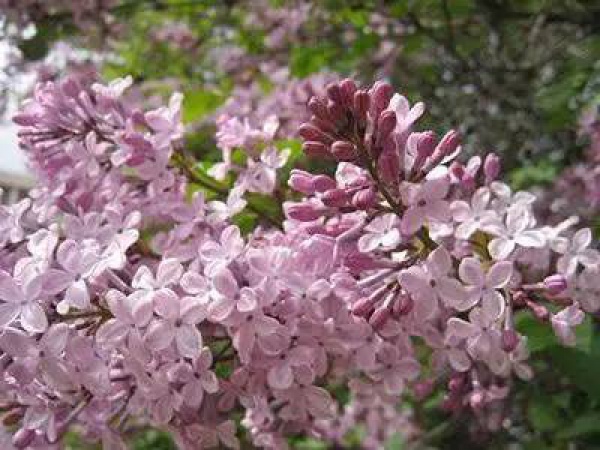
(388, 166)
(343, 150)
(491, 167)
(381, 94)
(510, 340)
(314, 148)
(363, 306)
(379, 317)
(362, 102)
(348, 88)
(337, 113)
(334, 92)
(304, 212)
(23, 437)
(302, 181)
(456, 383)
(555, 284)
(365, 198)
(323, 183)
(386, 123)
(309, 132)
(423, 389)
(335, 198)
(319, 108)
(425, 144)
(446, 146)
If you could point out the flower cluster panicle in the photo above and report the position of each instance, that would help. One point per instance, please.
(126, 301)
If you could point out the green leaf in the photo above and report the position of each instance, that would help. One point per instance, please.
(543, 415)
(583, 425)
(197, 104)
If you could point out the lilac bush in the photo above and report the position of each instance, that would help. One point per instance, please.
(130, 296)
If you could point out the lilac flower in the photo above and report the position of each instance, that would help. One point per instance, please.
(564, 321)
(575, 251)
(177, 321)
(430, 283)
(382, 233)
(517, 231)
(474, 216)
(394, 370)
(22, 295)
(483, 286)
(425, 203)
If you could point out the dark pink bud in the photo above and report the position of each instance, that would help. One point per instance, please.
(446, 146)
(348, 88)
(363, 307)
(336, 111)
(304, 212)
(555, 284)
(335, 198)
(539, 311)
(381, 94)
(334, 92)
(23, 437)
(403, 305)
(425, 145)
(318, 107)
(491, 167)
(365, 198)
(423, 389)
(323, 183)
(310, 132)
(302, 181)
(379, 317)
(343, 150)
(456, 384)
(314, 148)
(388, 166)
(362, 102)
(387, 123)
(510, 340)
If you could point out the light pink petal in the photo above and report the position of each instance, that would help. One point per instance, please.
(437, 188)
(159, 335)
(225, 283)
(17, 343)
(492, 305)
(438, 211)
(501, 248)
(589, 257)
(582, 239)
(33, 318)
(470, 272)
(193, 310)
(481, 199)
(412, 220)
(166, 303)
(77, 295)
(54, 340)
(169, 272)
(188, 340)
(10, 290)
(194, 283)
(409, 368)
(193, 393)
(458, 330)
(56, 281)
(141, 305)
(499, 274)
(517, 218)
(415, 281)
(8, 314)
(439, 261)
(531, 238)
(280, 376)
(459, 359)
(452, 293)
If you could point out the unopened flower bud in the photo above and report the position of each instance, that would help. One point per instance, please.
(348, 88)
(23, 437)
(365, 198)
(381, 94)
(314, 148)
(334, 92)
(302, 181)
(363, 306)
(362, 102)
(510, 340)
(379, 317)
(555, 284)
(446, 146)
(491, 167)
(343, 150)
(319, 108)
(309, 132)
(456, 383)
(335, 198)
(423, 389)
(304, 212)
(386, 124)
(388, 165)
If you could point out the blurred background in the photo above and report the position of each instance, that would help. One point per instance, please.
(517, 77)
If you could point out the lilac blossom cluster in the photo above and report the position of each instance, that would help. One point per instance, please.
(126, 299)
